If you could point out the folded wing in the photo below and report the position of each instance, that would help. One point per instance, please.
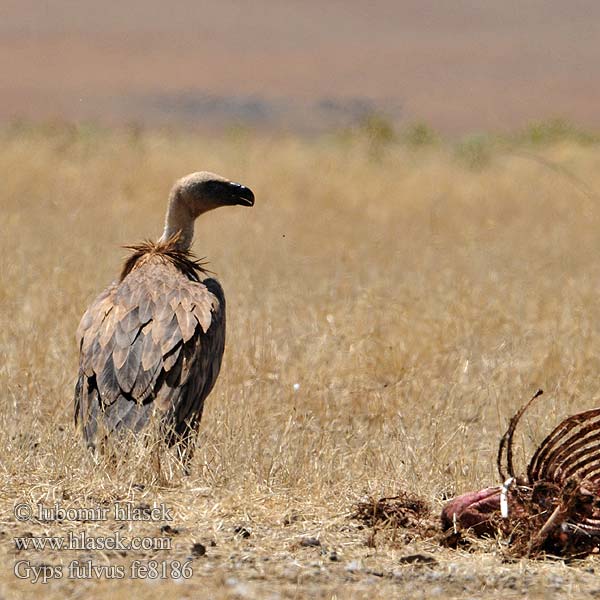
(153, 342)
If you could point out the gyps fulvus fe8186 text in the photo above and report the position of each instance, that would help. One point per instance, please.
(152, 342)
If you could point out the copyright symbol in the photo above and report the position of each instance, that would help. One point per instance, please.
(22, 512)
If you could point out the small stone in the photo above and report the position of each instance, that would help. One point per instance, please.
(290, 518)
(375, 573)
(556, 581)
(241, 531)
(169, 530)
(353, 566)
(412, 559)
(310, 542)
(198, 549)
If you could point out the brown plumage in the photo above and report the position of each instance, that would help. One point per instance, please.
(152, 342)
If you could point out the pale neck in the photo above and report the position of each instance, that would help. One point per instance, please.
(178, 221)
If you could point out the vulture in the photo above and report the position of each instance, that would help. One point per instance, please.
(151, 343)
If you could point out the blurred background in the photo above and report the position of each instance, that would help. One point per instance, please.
(422, 256)
(309, 66)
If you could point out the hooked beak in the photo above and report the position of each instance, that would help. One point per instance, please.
(242, 195)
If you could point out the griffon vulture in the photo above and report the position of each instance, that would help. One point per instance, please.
(152, 342)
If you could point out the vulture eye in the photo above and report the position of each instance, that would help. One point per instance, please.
(212, 186)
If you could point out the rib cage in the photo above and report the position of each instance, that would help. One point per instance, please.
(571, 450)
(563, 477)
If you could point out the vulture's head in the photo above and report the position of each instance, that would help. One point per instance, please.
(203, 191)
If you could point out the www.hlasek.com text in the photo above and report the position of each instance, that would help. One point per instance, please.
(83, 541)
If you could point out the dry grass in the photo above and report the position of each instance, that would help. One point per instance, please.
(415, 301)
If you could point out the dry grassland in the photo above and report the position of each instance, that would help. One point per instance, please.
(414, 300)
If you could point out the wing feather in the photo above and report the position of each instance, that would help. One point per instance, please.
(127, 371)
(97, 309)
(187, 322)
(203, 312)
(107, 329)
(124, 338)
(131, 321)
(145, 307)
(171, 337)
(99, 356)
(108, 385)
(150, 350)
(119, 356)
(172, 358)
